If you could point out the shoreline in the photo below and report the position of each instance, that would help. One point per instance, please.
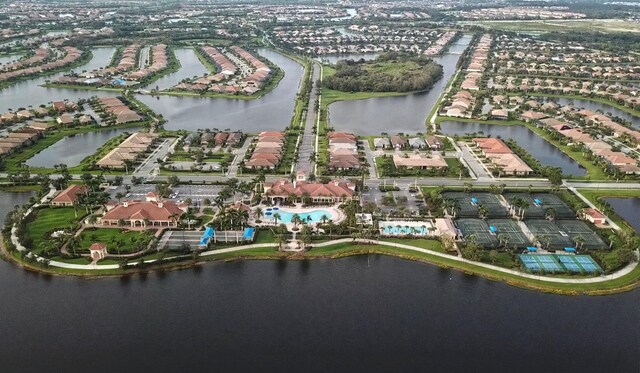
(546, 284)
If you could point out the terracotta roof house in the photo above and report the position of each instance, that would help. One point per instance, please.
(434, 143)
(69, 196)
(144, 214)
(332, 192)
(594, 216)
(399, 142)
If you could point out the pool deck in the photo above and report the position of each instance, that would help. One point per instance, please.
(337, 214)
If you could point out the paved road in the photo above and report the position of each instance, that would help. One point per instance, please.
(307, 146)
(373, 172)
(149, 167)
(474, 163)
(239, 156)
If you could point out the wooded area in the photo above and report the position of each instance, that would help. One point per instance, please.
(390, 72)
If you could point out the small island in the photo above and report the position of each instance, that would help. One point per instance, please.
(390, 72)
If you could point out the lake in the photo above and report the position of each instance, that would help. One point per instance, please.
(71, 150)
(547, 154)
(395, 114)
(335, 58)
(271, 112)
(190, 66)
(628, 209)
(29, 92)
(351, 314)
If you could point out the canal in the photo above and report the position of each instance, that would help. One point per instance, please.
(405, 114)
(628, 209)
(71, 150)
(539, 148)
(270, 112)
(190, 66)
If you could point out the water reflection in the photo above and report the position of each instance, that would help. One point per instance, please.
(628, 209)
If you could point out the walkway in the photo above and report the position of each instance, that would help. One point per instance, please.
(306, 149)
(371, 159)
(584, 199)
(474, 163)
(239, 155)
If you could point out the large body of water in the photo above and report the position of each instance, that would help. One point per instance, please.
(395, 114)
(628, 209)
(547, 154)
(29, 92)
(71, 150)
(268, 113)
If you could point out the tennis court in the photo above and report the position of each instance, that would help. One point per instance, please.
(479, 229)
(512, 232)
(468, 204)
(533, 211)
(543, 229)
(548, 200)
(577, 228)
(559, 263)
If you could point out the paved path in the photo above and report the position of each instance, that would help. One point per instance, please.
(147, 167)
(371, 158)
(473, 162)
(307, 147)
(584, 199)
(239, 156)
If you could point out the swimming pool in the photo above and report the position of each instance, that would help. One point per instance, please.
(390, 229)
(308, 217)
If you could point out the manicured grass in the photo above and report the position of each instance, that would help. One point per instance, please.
(117, 240)
(20, 188)
(46, 220)
(434, 245)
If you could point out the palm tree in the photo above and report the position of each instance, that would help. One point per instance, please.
(280, 240)
(612, 237)
(295, 219)
(502, 238)
(92, 219)
(550, 213)
(324, 218)
(579, 240)
(276, 217)
(258, 212)
(483, 212)
(119, 196)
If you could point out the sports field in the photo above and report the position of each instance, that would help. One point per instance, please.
(479, 229)
(544, 230)
(513, 235)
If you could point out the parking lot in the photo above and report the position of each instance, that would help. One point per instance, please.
(413, 204)
(197, 193)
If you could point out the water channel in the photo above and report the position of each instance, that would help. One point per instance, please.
(71, 150)
(29, 92)
(190, 66)
(547, 154)
(628, 209)
(353, 314)
(395, 114)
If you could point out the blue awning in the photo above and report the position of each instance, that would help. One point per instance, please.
(537, 201)
(206, 236)
(570, 249)
(532, 248)
(248, 233)
(493, 229)
(474, 200)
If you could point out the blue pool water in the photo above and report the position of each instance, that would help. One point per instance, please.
(391, 229)
(315, 215)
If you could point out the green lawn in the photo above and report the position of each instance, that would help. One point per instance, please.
(48, 220)
(116, 239)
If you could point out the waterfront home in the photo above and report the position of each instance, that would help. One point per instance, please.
(381, 143)
(419, 161)
(532, 116)
(417, 143)
(144, 214)
(128, 150)
(501, 157)
(434, 143)
(65, 119)
(69, 196)
(399, 142)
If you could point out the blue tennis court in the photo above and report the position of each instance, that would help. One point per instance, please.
(559, 263)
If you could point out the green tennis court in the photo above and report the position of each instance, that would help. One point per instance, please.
(533, 211)
(478, 229)
(510, 232)
(468, 204)
(559, 263)
(465, 207)
(492, 203)
(577, 228)
(548, 200)
(545, 230)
